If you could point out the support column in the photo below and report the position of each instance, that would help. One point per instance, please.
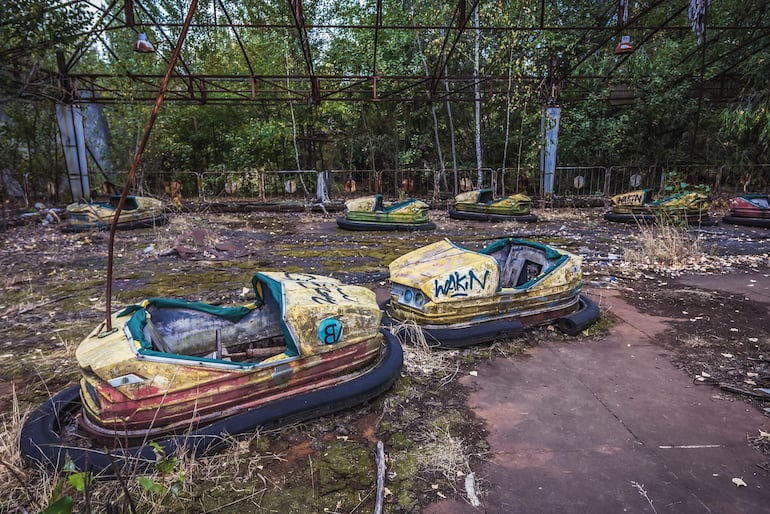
(550, 130)
(70, 121)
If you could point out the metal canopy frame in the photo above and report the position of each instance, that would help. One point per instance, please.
(246, 85)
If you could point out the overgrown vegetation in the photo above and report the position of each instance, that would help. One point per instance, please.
(664, 245)
(323, 464)
(299, 126)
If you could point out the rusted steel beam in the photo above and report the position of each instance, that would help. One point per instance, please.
(138, 157)
(438, 70)
(304, 43)
(222, 89)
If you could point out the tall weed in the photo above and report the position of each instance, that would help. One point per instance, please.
(664, 245)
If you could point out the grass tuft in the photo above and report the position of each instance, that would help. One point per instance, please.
(421, 358)
(664, 245)
(23, 489)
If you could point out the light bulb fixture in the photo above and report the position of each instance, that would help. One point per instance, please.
(625, 46)
(143, 44)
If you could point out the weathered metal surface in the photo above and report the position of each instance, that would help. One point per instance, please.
(330, 332)
(750, 206)
(139, 211)
(482, 201)
(641, 202)
(443, 284)
(372, 209)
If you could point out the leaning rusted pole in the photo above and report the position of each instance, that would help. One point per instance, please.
(140, 151)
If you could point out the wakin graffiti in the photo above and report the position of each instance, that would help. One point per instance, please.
(458, 284)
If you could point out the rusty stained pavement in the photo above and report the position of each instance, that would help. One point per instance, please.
(612, 426)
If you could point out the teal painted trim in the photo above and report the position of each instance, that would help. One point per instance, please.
(233, 314)
(136, 324)
(550, 252)
(276, 290)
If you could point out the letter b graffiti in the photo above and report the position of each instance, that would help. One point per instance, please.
(330, 331)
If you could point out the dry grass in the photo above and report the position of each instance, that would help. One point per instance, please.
(438, 449)
(31, 489)
(21, 489)
(694, 341)
(664, 245)
(166, 235)
(421, 358)
(448, 455)
(444, 453)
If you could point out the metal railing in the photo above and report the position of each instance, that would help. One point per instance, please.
(339, 185)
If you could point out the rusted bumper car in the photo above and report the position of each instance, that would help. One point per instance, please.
(370, 213)
(137, 212)
(749, 210)
(641, 207)
(461, 297)
(481, 205)
(187, 374)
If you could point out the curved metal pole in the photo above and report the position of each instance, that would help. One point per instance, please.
(140, 151)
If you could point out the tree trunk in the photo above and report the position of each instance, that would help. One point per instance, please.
(507, 119)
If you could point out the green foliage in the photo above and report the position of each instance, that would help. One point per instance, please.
(80, 481)
(667, 119)
(63, 505)
(170, 482)
(676, 182)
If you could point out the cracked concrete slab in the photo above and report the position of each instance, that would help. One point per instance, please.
(755, 285)
(611, 426)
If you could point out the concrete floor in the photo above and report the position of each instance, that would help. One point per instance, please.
(612, 426)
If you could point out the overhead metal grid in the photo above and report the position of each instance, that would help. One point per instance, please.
(306, 24)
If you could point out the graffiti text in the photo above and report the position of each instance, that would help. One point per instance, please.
(458, 284)
(330, 295)
(633, 198)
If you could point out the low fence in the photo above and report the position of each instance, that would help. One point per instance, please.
(339, 185)
(569, 181)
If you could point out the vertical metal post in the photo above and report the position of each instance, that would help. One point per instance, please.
(550, 128)
(70, 121)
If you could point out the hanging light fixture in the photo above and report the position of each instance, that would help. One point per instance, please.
(625, 46)
(143, 44)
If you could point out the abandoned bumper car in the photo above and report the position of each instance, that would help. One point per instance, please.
(137, 212)
(481, 205)
(460, 297)
(749, 210)
(370, 213)
(182, 374)
(641, 207)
